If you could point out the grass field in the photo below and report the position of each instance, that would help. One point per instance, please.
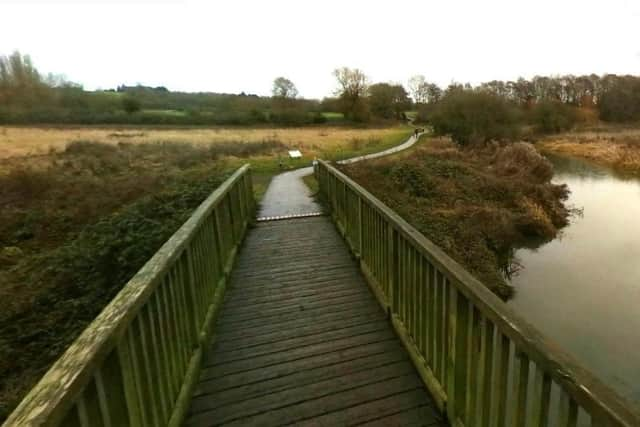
(312, 141)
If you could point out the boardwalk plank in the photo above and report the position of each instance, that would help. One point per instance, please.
(300, 339)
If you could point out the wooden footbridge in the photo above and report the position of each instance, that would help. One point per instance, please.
(359, 320)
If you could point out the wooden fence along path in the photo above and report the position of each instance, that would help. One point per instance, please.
(364, 321)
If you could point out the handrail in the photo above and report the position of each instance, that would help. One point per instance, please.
(480, 360)
(137, 362)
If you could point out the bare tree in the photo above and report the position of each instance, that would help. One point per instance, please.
(418, 87)
(284, 88)
(352, 90)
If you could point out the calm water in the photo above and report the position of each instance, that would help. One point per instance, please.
(583, 289)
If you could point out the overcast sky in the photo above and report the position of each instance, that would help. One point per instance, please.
(242, 45)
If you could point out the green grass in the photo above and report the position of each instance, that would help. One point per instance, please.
(311, 182)
(359, 147)
(177, 113)
(332, 116)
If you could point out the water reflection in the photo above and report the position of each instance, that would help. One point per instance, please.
(583, 288)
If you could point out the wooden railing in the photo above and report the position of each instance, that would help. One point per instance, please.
(136, 363)
(483, 364)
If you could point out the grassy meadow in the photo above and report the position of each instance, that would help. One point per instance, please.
(312, 141)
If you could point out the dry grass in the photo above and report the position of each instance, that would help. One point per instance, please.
(22, 141)
(612, 146)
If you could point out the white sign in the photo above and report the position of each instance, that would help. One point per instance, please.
(295, 154)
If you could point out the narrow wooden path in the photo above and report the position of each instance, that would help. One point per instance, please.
(301, 340)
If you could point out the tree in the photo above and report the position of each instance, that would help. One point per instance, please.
(474, 117)
(284, 88)
(434, 93)
(388, 101)
(620, 99)
(553, 116)
(352, 91)
(20, 82)
(418, 88)
(130, 104)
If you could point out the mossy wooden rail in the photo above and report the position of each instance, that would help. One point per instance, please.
(484, 365)
(138, 360)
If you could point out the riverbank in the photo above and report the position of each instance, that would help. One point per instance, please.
(616, 147)
(478, 205)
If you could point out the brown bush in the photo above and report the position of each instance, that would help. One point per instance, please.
(523, 160)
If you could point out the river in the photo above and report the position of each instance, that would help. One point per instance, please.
(583, 288)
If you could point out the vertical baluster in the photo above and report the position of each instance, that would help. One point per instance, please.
(156, 359)
(458, 353)
(191, 336)
(103, 398)
(502, 376)
(486, 378)
(433, 343)
(422, 306)
(360, 227)
(205, 288)
(170, 336)
(179, 339)
(111, 394)
(408, 292)
(402, 294)
(473, 365)
(144, 397)
(394, 270)
(520, 388)
(207, 238)
(445, 326)
(83, 412)
(163, 338)
(438, 353)
(149, 375)
(416, 296)
(196, 302)
(541, 399)
(568, 411)
(135, 412)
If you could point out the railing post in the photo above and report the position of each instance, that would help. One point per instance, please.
(456, 365)
(359, 225)
(393, 271)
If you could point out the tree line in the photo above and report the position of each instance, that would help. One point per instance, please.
(616, 98)
(27, 96)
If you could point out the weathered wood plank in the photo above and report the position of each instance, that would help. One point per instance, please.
(273, 362)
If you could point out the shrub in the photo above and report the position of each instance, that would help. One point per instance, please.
(130, 105)
(553, 116)
(473, 117)
(523, 160)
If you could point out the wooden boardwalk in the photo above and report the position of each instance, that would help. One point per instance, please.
(301, 340)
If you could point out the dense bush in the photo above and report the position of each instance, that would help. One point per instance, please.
(621, 101)
(553, 116)
(130, 104)
(474, 117)
(477, 204)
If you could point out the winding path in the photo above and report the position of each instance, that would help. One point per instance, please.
(287, 194)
